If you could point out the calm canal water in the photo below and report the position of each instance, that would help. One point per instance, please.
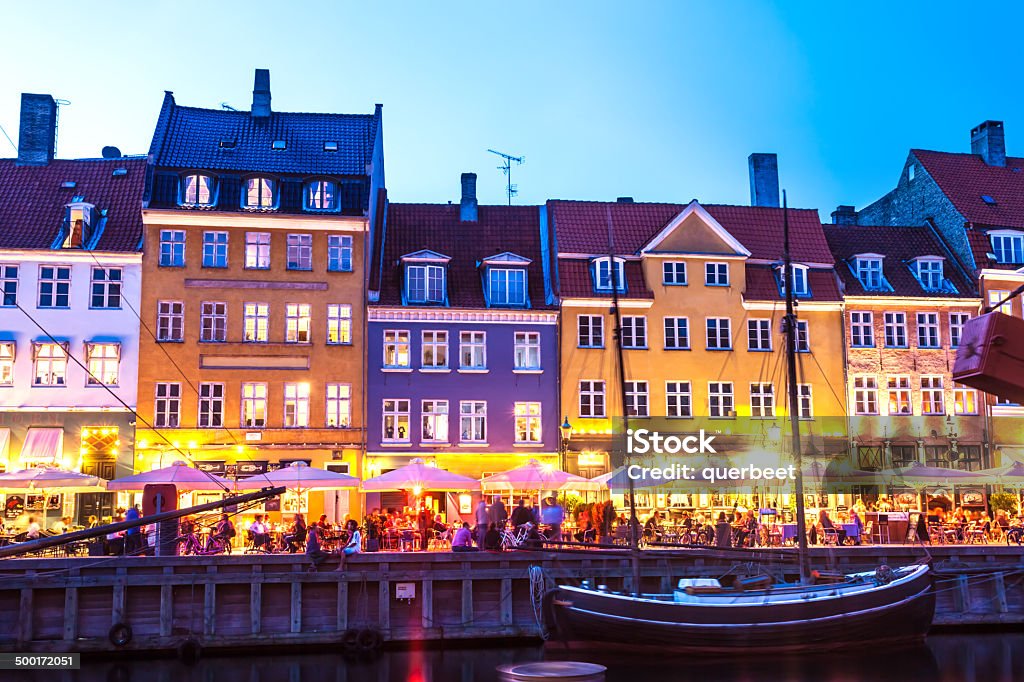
(945, 658)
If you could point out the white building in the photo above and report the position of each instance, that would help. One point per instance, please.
(70, 269)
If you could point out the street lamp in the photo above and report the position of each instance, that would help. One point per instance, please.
(566, 429)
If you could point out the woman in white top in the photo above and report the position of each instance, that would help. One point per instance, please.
(353, 546)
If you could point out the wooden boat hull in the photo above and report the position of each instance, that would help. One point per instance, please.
(758, 622)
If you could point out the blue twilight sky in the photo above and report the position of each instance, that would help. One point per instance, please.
(662, 101)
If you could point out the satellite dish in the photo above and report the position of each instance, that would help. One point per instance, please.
(111, 153)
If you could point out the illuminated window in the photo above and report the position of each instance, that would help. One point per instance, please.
(256, 322)
(339, 323)
(762, 401)
(933, 399)
(296, 405)
(339, 406)
(473, 350)
(396, 348)
(396, 421)
(197, 190)
(103, 360)
(965, 400)
(322, 195)
(259, 193)
(297, 323)
(434, 421)
(99, 442)
(254, 405)
(434, 350)
(899, 396)
(51, 364)
(6, 363)
(528, 424)
(526, 350)
(257, 250)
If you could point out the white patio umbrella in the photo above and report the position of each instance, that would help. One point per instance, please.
(180, 474)
(417, 475)
(299, 476)
(537, 476)
(46, 480)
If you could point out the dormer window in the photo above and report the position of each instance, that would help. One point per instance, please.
(424, 283)
(1008, 247)
(322, 195)
(868, 270)
(279, 145)
(929, 273)
(330, 146)
(197, 190)
(605, 277)
(506, 286)
(800, 285)
(79, 225)
(259, 193)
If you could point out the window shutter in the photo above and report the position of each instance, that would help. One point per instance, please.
(230, 192)
(291, 195)
(165, 189)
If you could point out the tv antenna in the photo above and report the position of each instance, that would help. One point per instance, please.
(227, 107)
(506, 167)
(56, 121)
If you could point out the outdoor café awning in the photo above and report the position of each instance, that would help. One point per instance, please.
(43, 445)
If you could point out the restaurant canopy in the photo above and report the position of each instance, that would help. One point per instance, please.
(537, 476)
(299, 476)
(42, 446)
(922, 476)
(180, 474)
(52, 479)
(417, 475)
(1012, 475)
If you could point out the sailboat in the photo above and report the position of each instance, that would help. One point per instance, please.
(707, 617)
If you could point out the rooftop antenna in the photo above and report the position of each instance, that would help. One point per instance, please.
(56, 121)
(506, 167)
(227, 107)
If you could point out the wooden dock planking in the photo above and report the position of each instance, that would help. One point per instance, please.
(238, 601)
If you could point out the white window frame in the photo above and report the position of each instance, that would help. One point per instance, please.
(435, 341)
(759, 334)
(928, 335)
(721, 400)
(299, 251)
(720, 324)
(677, 333)
(592, 402)
(104, 363)
(526, 350)
(602, 274)
(997, 295)
(899, 395)
(397, 346)
(338, 405)
(476, 343)
(803, 336)
(260, 193)
(933, 395)
(634, 332)
(339, 253)
(930, 273)
(170, 321)
(339, 324)
(9, 285)
(198, 189)
(965, 400)
(296, 405)
(678, 399)
(213, 322)
(638, 399)
(862, 329)
(805, 402)
(473, 414)
(257, 250)
(762, 400)
(8, 351)
(433, 283)
(172, 249)
(895, 326)
(1004, 241)
(801, 287)
(865, 394)
(506, 286)
(167, 404)
(105, 283)
(716, 274)
(590, 327)
(255, 322)
(55, 286)
(870, 273)
(298, 323)
(254, 402)
(528, 425)
(211, 405)
(215, 249)
(434, 420)
(321, 195)
(673, 273)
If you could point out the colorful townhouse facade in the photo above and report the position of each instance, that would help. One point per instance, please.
(974, 202)
(462, 344)
(70, 280)
(907, 298)
(700, 295)
(256, 225)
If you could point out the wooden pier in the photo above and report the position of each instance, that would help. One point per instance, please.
(54, 605)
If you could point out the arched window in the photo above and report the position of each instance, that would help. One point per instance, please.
(260, 193)
(604, 275)
(322, 195)
(197, 189)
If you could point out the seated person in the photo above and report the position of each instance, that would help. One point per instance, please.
(313, 551)
(62, 525)
(587, 533)
(492, 539)
(225, 530)
(354, 545)
(260, 534)
(463, 540)
(33, 531)
(296, 537)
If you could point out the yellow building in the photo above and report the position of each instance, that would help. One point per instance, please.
(701, 303)
(253, 292)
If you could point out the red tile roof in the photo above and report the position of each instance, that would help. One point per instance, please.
(981, 246)
(582, 227)
(32, 201)
(899, 245)
(964, 178)
(574, 280)
(763, 286)
(437, 227)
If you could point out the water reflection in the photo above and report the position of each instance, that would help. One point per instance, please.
(946, 658)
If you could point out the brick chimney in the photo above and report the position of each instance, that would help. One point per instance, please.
(261, 94)
(764, 180)
(467, 207)
(988, 141)
(37, 131)
(844, 215)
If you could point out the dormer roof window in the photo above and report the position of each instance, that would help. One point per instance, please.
(322, 195)
(801, 287)
(260, 193)
(929, 272)
(867, 268)
(78, 225)
(197, 189)
(1007, 246)
(426, 278)
(608, 273)
(505, 280)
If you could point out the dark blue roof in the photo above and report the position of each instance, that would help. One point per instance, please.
(187, 137)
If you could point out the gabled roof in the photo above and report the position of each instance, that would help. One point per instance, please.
(899, 245)
(190, 138)
(33, 200)
(506, 258)
(426, 255)
(582, 227)
(437, 227)
(965, 178)
(694, 208)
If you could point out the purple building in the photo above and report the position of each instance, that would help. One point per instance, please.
(462, 343)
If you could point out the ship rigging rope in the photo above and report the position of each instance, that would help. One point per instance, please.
(538, 588)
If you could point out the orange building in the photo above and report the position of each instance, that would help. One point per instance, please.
(254, 287)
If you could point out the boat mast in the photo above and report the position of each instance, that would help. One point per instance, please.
(792, 339)
(634, 522)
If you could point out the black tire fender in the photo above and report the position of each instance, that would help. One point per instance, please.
(369, 640)
(350, 640)
(190, 651)
(120, 634)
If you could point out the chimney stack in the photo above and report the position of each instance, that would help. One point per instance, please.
(467, 207)
(764, 180)
(38, 130)
(844, 215)
(988, 141)
(261, 94)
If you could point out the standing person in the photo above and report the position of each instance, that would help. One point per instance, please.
(313, 551)
(521, 515)
(607, 518)
(723, 531)
(553, 515)
(498, 514)
(423, 523)
(482, 519)
(858, 526)
(353, 546)
(132, 536)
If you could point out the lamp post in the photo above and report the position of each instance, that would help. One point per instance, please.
(563, 444)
